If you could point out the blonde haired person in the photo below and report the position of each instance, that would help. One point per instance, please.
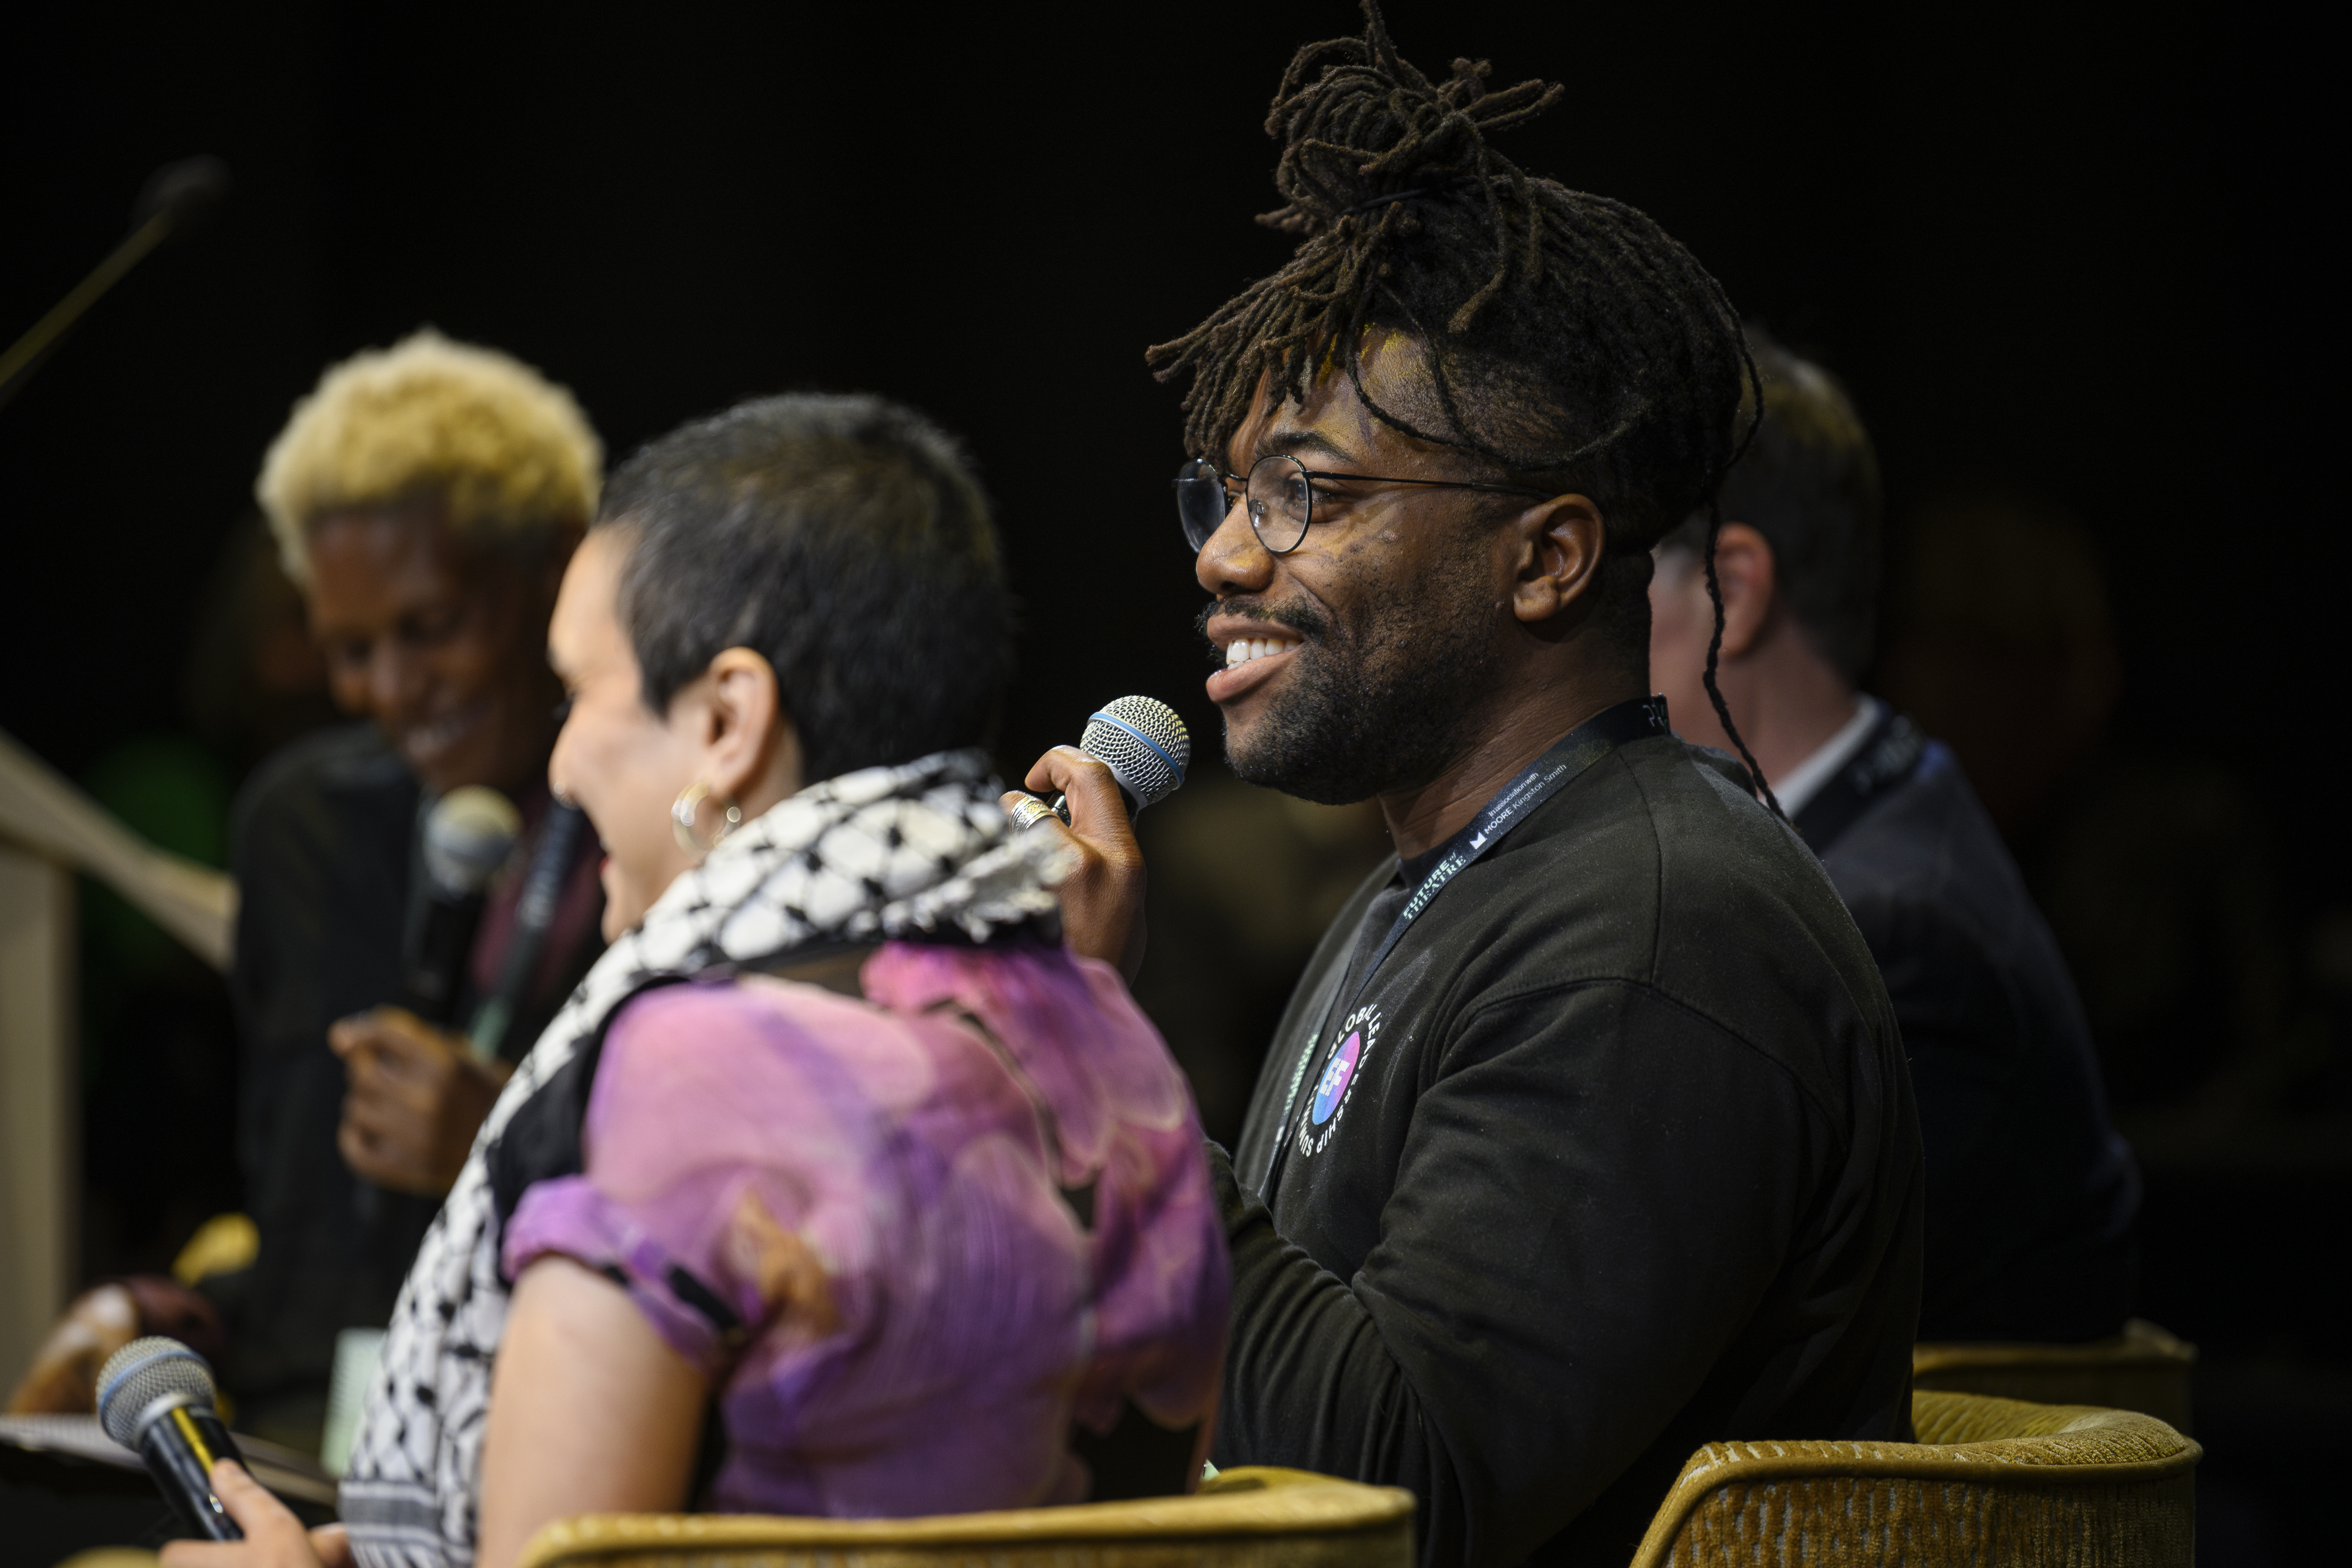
(507, 455)
(426, 498)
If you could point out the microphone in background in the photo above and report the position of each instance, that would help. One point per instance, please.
(550, 862)
(155, 1396)
(1145, 745)
(174, 202)
(467, 836)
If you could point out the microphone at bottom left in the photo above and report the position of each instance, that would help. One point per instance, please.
(155, 1396)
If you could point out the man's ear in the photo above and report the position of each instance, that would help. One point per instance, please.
(1750, 580)
(751, 749)
(1556, 549)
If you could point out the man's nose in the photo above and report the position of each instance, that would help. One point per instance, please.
(1234, 560)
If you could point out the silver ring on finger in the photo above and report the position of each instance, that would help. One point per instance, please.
(1028, 811)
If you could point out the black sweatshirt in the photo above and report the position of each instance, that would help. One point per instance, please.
(1627, 1162)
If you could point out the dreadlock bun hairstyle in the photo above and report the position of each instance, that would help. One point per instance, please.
(1569, 341)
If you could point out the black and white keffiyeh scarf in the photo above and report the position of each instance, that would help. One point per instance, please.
(916, 851)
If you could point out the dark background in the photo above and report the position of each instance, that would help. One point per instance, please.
(2078, 258)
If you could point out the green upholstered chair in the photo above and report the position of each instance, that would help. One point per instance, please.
(2142, 1368)
(1991, 1483)
(1245, 1518)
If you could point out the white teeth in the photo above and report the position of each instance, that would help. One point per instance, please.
(439, 733)
(1241, 649)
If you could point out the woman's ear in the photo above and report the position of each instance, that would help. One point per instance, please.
(752, 750)
(1557, 545)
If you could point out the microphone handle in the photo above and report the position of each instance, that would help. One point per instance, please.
(180, 1447)
(441, 940)
(542, 886)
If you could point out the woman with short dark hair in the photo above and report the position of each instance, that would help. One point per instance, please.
(897, 1188)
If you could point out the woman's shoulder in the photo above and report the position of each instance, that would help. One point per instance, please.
(740, 1024)
(694, 1065)
(721, 1006)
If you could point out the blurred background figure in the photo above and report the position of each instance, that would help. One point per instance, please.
(2154, 869)
(423, 502)
(2032, 1197)
(159, 1042)
(254, 678)
(2217, 984)
(2006, 648)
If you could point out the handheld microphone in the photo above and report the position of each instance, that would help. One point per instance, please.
(1145, 745)
(155, 1396)
(467, 836)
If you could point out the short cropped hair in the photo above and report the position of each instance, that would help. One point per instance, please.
(847, 540)
(1809, 483)
(507, 452)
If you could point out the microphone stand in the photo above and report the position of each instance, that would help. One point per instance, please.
(177, 196)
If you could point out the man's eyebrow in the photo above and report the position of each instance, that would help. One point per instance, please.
(1292, 442)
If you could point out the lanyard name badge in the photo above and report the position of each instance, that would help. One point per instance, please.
(1578, 750)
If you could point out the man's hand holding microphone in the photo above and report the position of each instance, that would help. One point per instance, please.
(1133, 754)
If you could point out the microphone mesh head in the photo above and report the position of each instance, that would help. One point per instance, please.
(140, 1374)
(467, 836)
(1146, 746)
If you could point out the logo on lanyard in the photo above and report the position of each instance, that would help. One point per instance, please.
(1357, 1034)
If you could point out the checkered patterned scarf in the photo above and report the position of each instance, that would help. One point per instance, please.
(916, 851)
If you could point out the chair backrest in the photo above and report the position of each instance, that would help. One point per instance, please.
(1252, 1517)
(1991, 1481)
(2142, 1368)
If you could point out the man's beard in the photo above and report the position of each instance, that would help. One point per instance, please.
(1382, 700)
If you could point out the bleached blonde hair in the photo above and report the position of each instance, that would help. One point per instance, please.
(506, 450)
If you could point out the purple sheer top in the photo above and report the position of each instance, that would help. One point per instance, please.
(850, 1217)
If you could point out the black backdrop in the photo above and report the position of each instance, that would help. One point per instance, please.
(2084, 256)
(2075, 256)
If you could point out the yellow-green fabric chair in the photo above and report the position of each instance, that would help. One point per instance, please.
(1991, 1483)
(1252, 1517)
(2142, 1368)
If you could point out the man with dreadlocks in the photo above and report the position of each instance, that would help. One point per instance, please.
(1586, 1138)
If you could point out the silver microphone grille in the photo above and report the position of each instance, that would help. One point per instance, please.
(1145, 745)
(467, 836)
(142, 1371)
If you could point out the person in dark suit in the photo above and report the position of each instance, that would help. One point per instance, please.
(2031, 1196)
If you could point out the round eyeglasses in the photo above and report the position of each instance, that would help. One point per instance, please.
(1278, 495)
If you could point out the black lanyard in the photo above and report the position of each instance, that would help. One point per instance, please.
(1578, 750)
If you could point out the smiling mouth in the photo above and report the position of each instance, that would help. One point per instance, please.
(437, 736)
(1242, 649)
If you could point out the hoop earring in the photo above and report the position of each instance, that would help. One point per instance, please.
(683, 812)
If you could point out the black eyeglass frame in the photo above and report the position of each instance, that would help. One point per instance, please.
(1191, 481)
